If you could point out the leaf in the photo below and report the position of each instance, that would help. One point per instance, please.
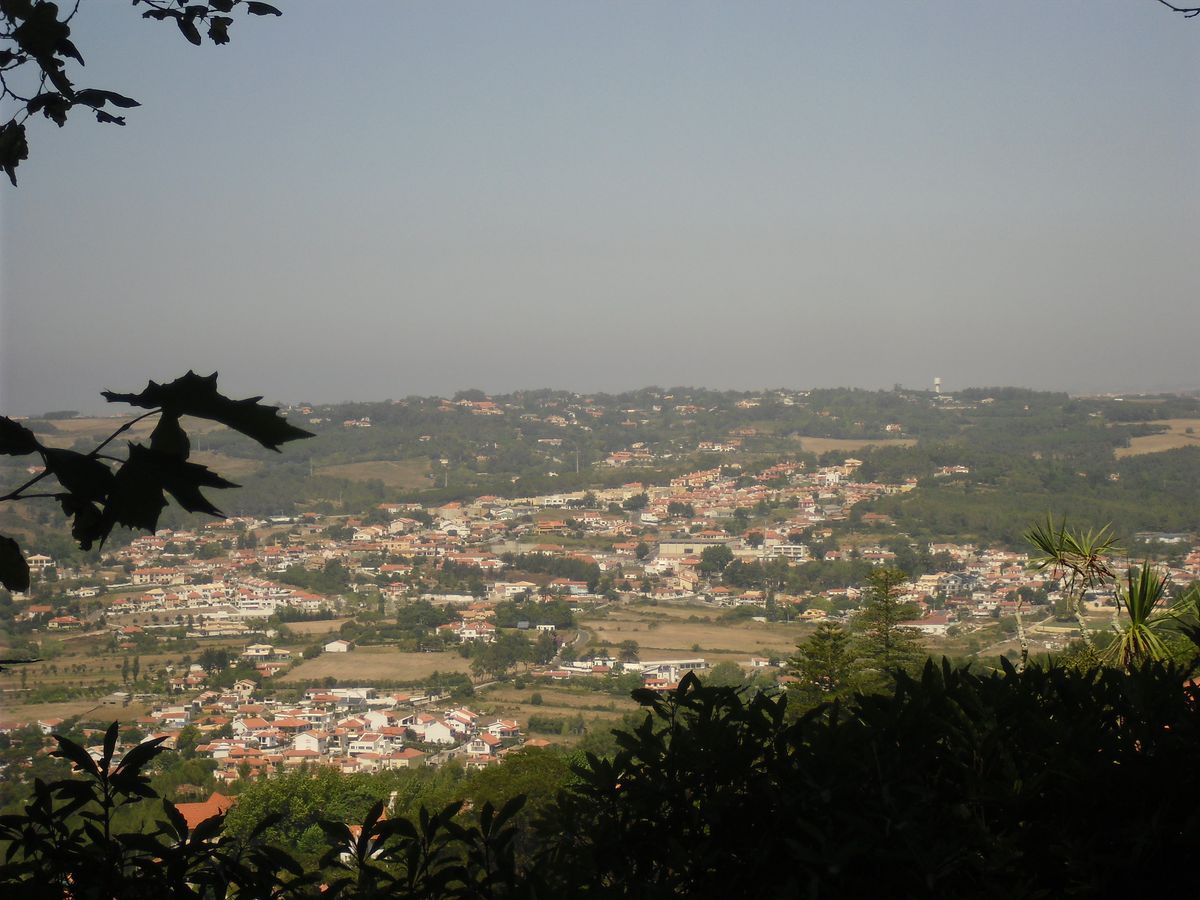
(14, 571)
(40, 33)
(261, 9)
(188, 27)
(110, 742)
(182, 480)
(96, 99)
(108, 118)
(141, 755)
(88, 526)
(266, 822)
(510, 809)
(72, 752)
(84, 476)
(169, 437)
(52, 105)
(193, 395)
(208, 829)
(16, 439)
(66, 48)
(218, 29)
(221, 5)
(178, 822)
(13, 148)
(136, 498)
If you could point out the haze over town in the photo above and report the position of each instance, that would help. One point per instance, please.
(411, 199)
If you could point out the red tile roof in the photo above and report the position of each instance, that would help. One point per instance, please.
(195, 813)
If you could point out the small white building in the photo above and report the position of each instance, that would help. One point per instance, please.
(338, 646)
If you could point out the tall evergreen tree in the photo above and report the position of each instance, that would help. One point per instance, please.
(824, 662)
(882, 642)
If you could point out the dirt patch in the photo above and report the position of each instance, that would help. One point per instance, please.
(402, 473)
(1176, 436)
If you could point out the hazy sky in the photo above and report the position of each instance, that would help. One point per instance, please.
(369, 200)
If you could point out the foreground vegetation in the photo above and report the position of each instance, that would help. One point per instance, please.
(1046, 781)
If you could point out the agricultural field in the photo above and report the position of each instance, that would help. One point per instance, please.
(92, 711)
(1179, 433)
(232, 467)
(849, 445)
(403, 474)
(81, 660)
(375, 664)
(323, 626)
(668, 632)
(598, 709)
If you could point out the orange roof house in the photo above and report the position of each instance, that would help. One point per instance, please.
(195, 813)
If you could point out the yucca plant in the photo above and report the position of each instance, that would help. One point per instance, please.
(1137, 641)
(1082, 558)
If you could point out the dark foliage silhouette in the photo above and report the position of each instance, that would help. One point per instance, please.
(98, 491)
(1044, 782)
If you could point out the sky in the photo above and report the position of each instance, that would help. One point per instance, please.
(370, 200)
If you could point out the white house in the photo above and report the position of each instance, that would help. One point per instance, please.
(338, 646)
(316, 741)
(370, 742)
(430, 731)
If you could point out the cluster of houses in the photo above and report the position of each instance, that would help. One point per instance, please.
(354, 729)
(210, 581)
(223, 579)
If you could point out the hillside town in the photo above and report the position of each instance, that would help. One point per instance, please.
(229, 580)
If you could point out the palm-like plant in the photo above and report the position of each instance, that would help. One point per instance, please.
(1082, 558)
(1140, 596)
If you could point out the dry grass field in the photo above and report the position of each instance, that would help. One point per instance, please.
(91, 711)
(402, 473)
(850, 445)
(324, 626)
(232, 467)
(375, 664)
(599, 710)
(1173, 438)
(82, 660)
(671, 632)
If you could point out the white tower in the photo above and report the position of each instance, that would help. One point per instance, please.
(937, 385)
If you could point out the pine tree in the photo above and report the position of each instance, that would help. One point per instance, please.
(824, 662)
(882, 642)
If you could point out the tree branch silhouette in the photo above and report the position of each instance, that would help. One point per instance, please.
(98, 497)
(36, 43)
(1188, 12)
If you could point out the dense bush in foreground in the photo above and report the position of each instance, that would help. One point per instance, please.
(1047, 782)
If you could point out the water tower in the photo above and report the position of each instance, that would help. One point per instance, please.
(937, 385)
